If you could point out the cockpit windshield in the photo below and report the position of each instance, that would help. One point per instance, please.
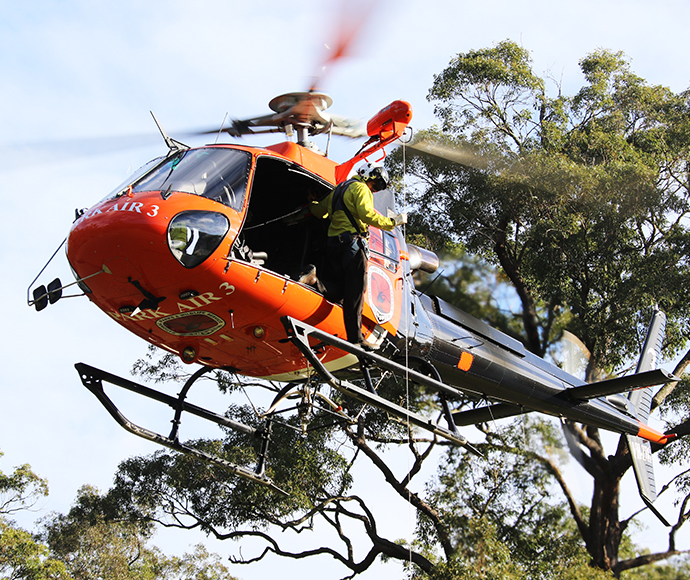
(218, 173)
(133, 178)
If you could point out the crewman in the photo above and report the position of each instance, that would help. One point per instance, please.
(350, 207)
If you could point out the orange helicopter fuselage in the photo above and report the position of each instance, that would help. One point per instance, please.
(203, 259)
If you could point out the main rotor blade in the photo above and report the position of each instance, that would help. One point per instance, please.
(352, 17)
(17, 155)
(348, 127)
(464, 155)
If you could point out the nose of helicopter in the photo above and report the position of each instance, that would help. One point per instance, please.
(145, 243)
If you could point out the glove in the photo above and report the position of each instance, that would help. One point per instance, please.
(400, 219)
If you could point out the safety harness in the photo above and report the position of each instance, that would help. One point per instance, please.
(338, 203)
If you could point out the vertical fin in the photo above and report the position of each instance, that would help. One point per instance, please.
(641, 454)
(649, 361)
(641, 399)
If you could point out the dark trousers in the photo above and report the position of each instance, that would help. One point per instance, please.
(348, 260)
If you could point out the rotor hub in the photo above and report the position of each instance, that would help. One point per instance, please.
(318, 101)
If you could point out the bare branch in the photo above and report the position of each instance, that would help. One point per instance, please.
(668, 388)
(647, 559)
(403, 491)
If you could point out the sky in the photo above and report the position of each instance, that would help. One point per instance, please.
(78, 82)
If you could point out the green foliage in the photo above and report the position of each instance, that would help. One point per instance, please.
(199, 565)
(20, 490)
(506, 498)
(307, 467)
(21, 555)
(92, 547)
(579, 200)
(92, 543)
(488, 558)
(24, 558)
(501, 81)
(492, 559)
(504, 513)
(88, 542)
(582, 202)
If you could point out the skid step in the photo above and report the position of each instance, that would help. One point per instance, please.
(299, 334)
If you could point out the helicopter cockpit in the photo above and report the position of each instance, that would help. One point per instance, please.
(279, 232)
(216, 173)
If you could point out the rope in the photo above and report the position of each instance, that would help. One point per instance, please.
(277, 219)
(410, 514)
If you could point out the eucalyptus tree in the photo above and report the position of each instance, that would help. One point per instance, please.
(582, 202)
(326, 465)
(22, 556)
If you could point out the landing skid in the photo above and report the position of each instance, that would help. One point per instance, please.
(299, 334)
(93, 379)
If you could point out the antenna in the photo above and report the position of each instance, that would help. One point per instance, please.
(172, 144)
(220, 131)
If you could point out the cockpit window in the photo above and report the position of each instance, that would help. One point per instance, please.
(214, 172)
(133, 178)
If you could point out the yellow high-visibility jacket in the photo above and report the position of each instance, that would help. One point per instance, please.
(360, 202)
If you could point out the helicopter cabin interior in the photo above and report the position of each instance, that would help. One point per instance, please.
(282, 235)
(279, 230)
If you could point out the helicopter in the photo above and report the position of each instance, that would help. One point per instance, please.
(202, 253)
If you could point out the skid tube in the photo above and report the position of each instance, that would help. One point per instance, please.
(299, 334)
(93, 379)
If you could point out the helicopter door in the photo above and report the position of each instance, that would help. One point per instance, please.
(383, 273)
(279, 225)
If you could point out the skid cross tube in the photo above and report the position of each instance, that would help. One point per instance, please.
(299, 333)
(93, 379)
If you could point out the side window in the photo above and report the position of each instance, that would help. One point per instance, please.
(376, 241)
(384, 249)
(391, 250)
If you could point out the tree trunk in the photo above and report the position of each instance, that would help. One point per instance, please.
(530, 320)
(606, 530)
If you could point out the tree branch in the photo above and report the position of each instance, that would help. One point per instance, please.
(646, 559)
(668, 388)
(402, 490)
(553, 469)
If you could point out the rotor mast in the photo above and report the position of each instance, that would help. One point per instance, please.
(303, 113)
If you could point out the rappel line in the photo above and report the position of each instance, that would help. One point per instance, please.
(407, 356)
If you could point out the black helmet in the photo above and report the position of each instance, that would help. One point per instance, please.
(373, 171)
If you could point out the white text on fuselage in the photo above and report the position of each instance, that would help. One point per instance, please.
(133, 206)
(182, 306)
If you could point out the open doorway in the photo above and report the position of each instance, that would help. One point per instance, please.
(279, 226)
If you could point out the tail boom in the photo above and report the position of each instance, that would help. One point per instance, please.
(654, 436)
